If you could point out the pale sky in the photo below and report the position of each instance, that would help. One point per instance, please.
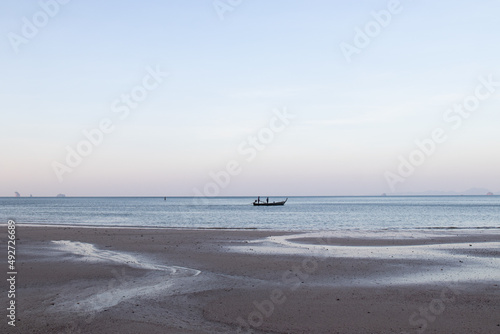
(185, 88)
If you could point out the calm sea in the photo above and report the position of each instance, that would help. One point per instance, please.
(299, 213)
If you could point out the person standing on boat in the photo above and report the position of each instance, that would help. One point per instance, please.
(267, 200)
(258, 199)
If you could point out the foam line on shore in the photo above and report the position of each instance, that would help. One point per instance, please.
(445, 259)
(90, 252)
(122, 288)
(143, 227)
(287, 244)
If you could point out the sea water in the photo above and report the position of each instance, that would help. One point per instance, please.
(299, 213)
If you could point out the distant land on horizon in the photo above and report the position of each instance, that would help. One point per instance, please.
(469, 192)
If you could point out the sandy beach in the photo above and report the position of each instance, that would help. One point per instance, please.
(125, 280)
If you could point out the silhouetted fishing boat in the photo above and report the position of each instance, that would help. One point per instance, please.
(267, 203)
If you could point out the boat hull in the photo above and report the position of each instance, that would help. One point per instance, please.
(269, 204)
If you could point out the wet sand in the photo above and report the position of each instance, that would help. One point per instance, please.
(106, 280)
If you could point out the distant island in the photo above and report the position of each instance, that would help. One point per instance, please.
(468, 192)
(61, 195)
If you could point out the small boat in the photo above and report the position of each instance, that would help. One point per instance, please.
(266, 203)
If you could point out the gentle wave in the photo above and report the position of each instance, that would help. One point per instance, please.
(299, 213)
